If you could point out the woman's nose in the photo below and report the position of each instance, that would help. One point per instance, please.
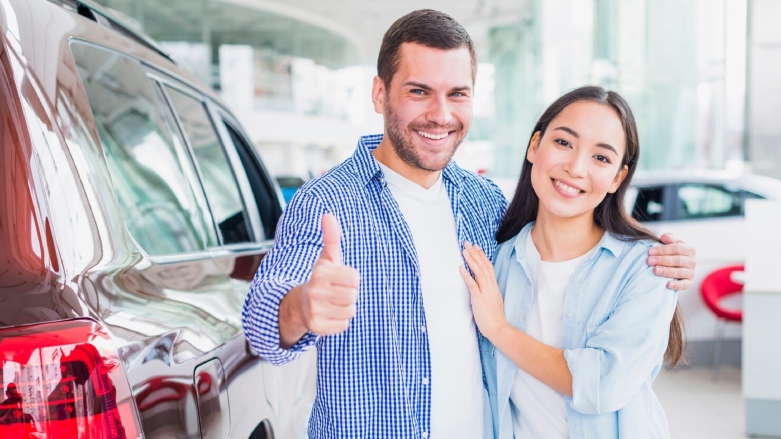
(576, 165)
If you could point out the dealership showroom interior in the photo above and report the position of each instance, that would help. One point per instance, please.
(170, 170)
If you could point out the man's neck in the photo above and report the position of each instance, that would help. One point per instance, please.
(385, 154)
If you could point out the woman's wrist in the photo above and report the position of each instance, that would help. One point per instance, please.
(496, 331)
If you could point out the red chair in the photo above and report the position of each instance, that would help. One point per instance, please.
(714, 288)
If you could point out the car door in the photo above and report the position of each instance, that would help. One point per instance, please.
(245, 208)
(289, 389)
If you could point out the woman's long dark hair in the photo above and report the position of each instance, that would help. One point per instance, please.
(610, 213)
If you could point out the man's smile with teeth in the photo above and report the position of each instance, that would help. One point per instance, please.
(566, 188)
(433, 136)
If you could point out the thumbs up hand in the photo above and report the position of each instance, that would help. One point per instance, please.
(327, 301)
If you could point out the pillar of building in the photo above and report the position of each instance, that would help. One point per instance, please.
(763, 88)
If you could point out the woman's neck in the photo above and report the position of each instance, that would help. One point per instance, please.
(563, 239)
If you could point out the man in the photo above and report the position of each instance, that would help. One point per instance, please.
(398, 351)
(12, 403)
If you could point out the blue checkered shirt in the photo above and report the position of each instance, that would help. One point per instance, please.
(369, 378)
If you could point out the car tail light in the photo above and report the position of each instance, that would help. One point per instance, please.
(64, 380)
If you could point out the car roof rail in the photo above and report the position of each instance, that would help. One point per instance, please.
(110, 19)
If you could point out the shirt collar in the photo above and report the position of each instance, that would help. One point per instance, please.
(367, 168)
(608, 242)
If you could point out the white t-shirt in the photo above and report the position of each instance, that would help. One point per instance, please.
(538, 411)
(456, 378)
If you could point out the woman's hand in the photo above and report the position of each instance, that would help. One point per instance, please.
(487, 304)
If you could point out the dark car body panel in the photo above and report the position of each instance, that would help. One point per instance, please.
(66, 253)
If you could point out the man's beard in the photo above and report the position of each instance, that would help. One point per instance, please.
(406, 150)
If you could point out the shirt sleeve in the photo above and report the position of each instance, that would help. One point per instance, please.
(499, 199)
(625, 349)
(298, 243)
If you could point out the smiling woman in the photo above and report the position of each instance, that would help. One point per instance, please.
(581, 321)
(575, 159)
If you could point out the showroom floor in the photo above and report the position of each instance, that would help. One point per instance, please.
(698, 408)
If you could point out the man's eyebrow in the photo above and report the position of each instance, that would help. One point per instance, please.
(422, 86)
(417, 85)
(462, 88)
(577, 136)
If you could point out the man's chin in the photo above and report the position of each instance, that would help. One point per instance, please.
(434, 164)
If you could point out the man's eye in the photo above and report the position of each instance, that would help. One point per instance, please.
(562, 142)
(458, 94)
(417, 91)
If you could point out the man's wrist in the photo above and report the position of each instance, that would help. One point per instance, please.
(291, 325)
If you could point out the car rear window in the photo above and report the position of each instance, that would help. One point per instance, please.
(146, 156)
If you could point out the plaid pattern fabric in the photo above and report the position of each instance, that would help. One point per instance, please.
(370, 379)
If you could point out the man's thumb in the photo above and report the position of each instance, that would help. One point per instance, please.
(332, 236)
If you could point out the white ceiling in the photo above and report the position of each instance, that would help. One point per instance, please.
(365, 21)
(339, 32)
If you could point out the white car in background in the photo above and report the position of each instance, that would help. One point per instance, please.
(706, 210)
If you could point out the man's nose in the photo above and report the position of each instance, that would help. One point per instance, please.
(440, 111)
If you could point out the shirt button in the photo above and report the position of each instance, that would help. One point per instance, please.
(570, 315)
(425, 434)
(425, 381)
(422, 329)
(576, 430)
(577, 279)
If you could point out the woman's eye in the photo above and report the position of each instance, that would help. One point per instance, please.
(562, 142)
(602, 158)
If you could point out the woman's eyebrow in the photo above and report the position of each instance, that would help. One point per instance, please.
(577, 136)
(568, 130)
(607, 146)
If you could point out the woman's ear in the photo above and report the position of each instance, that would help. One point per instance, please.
(534, 147)
(618, 180)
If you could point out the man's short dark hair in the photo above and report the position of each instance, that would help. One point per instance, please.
(427, 27)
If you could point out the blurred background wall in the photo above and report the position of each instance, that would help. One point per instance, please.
(298, 73)
(702, 77)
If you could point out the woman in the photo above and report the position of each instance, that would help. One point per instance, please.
(584, 326)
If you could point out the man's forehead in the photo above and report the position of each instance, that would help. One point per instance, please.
(421, 64)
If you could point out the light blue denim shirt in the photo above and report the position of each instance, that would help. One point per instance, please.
(616, 323)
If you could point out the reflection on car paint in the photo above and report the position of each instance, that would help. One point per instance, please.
(69, 250)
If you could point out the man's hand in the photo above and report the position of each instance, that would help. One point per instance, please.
(675, 259)
(326, 303)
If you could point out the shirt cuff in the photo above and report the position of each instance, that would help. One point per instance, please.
(261, 322)
(585, 385)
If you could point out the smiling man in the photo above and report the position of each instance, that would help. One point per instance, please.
(365, 262)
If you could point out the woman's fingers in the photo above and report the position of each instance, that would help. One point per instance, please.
(483, 260)
(479, 263)
(473, 265)
(470, 283)
(476, 267)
